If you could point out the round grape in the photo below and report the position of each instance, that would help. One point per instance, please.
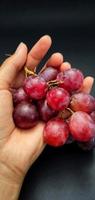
(50, 73)
(35, 87)
(82, 102)
(25, 115)
(81, 126)
(58, 98)
(19, 95)
(56, 132)
(71, 79)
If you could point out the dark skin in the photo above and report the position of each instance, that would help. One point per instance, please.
(17, 152)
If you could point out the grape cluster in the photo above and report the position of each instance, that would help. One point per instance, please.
(55, 98)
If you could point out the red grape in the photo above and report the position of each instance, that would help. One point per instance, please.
(68, 118)
(35, 87)
(45, 111)
(58, 98)
(49, 74)
(56, 132)
(19, 95)
(25, 115)
(82, 102)
(71, 79)
(81, 126)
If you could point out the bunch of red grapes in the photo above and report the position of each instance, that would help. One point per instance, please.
(55, 98)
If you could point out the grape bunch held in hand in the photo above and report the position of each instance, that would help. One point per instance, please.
(55, 98)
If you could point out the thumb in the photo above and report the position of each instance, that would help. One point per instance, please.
(12, 66)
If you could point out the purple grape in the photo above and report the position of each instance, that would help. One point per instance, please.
(49, 74)
(45, 111)
(19, 95)
(25, 115)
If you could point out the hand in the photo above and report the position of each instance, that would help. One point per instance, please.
(20, 148)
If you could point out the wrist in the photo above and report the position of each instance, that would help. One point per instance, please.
(9, 191)
(11, 174)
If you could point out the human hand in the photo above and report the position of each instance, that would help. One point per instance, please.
(20, 148)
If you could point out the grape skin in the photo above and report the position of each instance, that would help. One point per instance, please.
(56, 132)
(19, 95)
(45, 111)
(35, 87)
(58, 98)
(50, 73)
(71, 79)
(81, 126)
(25, 115)
(82, 102)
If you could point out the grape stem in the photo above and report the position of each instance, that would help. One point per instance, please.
(54, 83)
(29, 72)
(69, 109)
(65, 114)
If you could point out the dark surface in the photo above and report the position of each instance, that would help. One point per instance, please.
(65, 173)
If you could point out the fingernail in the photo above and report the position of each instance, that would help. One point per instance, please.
(19, 48)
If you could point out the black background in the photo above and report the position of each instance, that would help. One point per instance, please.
(64, 173)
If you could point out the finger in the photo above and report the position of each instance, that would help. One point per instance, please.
(12, 66)
(65, 66)
(19, 80)
(34, 57)
(55, 60)
(38, 51)
(87, 84)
